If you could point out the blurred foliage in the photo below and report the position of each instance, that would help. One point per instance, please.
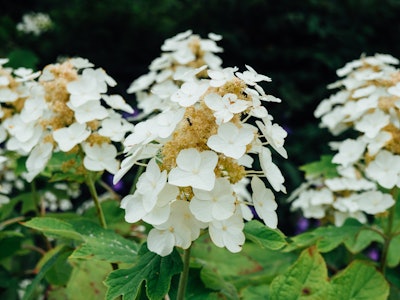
(299, 44)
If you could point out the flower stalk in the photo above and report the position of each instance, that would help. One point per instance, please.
(184, 275)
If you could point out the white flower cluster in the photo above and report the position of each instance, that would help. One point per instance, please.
(35, 23)
(66, 109)
(200, 150)
(369, 103)
(183, 58)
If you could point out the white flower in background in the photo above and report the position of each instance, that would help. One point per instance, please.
(350, 151)
(35, 23)
(202, 142)
(368, 103)
(38, 159)
(184, 59)
(385, 169)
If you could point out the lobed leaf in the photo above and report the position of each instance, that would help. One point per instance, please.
(155, 270)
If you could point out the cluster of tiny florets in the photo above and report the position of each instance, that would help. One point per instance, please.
(369, 103)
(199, 148)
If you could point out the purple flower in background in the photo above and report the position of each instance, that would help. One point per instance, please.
(373, 253)
(302, 225)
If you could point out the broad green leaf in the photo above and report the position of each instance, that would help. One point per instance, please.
(324, 167)
(29, 293)
(64, 166)
(214, 281)
(54, 228)
(86, 281)
(97, 243)
(353, 234)
(157, 271)
(260, 292)
(307, 278)
(359, 281)
(263, 236)
(362, 240)
(393, 258)
(60, 272)
(10, 233)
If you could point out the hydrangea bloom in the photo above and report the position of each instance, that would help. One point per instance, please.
(368, 103)
(183, 60)
(198, 167)
(62, 111)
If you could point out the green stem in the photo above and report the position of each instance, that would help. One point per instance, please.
(93, 193)
(184, 275)
(388, 233)
(100, 214)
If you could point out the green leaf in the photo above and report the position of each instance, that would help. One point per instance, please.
(157, 271)
(324, 167)
(54, 228)
(86, 281)
(29, 293)
(307, 278)
(214, 281)
(359, 281)
(263, 236)
(260, 292)
(97, 243)
(60, 272)
(352, 233)
(393, 258)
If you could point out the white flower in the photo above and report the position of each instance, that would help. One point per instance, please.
(33, 109)
(372, 123)
(81, 63)
(37, 160)
(264, 203)
(7, 95)
(142, 83)
(217, 204)
(84, 89)
(89, 111)
(67, 138)
(117, 102)
(274, 134)
(231, 140)
(189, 93)
(225, 107)
(251, 77)
(150, 184)
(228, 233)
(115, 128)
(271, 171)
(374, 202)
(384, 169)
(100, 157)
(350, 151)
(363, 92)
(220, 77)
(143, 133)
(195, 169)
(167, 121)
(180, 230)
